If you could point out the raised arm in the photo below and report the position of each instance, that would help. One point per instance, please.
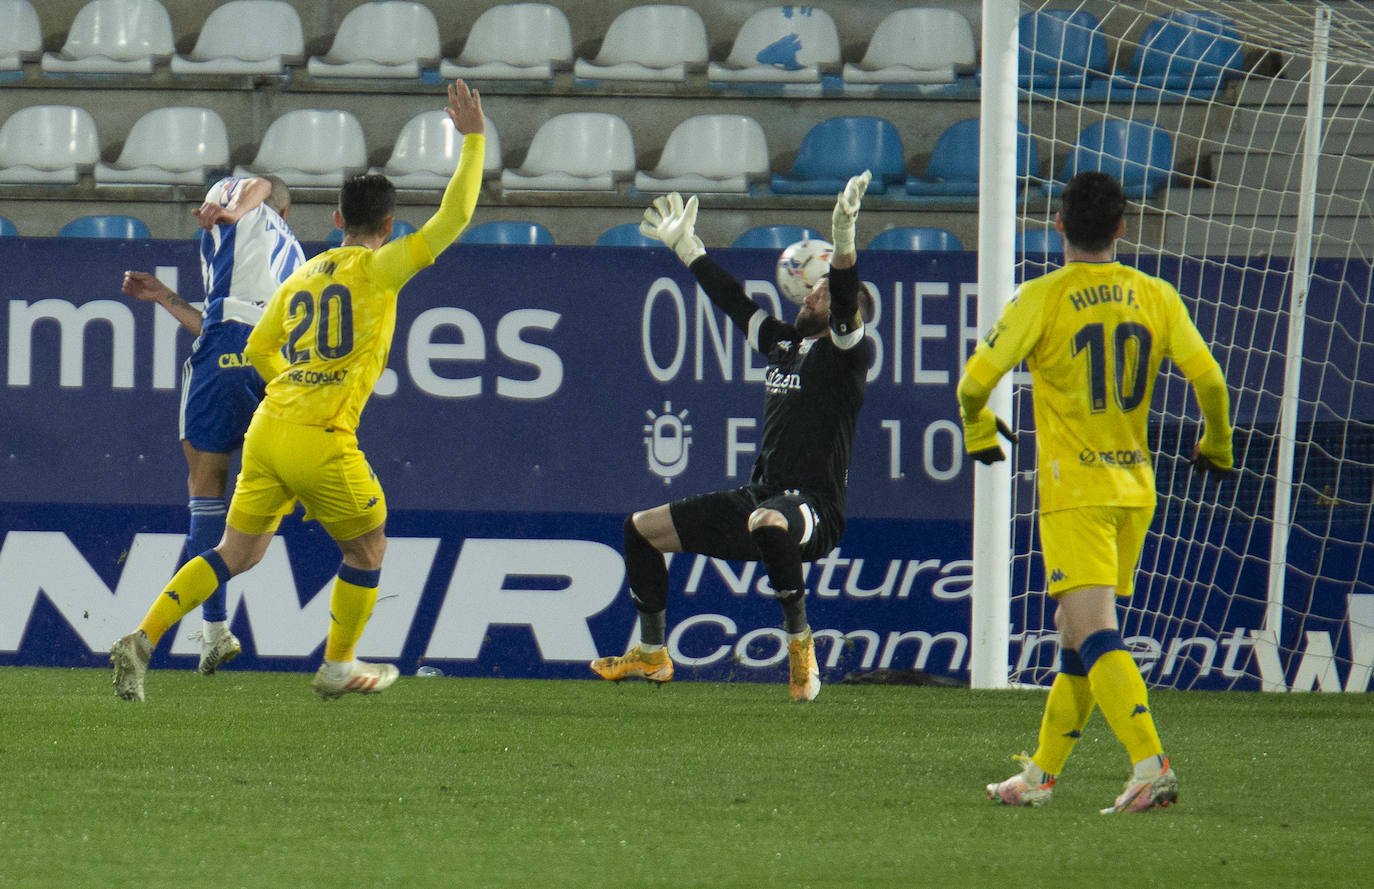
(673, 221)
(242, 195)
(460, 197)
(846, 321)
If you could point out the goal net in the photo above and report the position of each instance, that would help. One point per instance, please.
(1244, 134)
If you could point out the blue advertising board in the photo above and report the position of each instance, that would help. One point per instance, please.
(534, 397)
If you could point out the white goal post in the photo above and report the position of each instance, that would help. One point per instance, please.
(1244, 132)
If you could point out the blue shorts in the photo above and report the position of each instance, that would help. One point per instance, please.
(219, 389)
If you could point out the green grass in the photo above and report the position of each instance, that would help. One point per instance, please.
(246, 780)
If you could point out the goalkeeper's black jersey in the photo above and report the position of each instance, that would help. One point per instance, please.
(814, 387)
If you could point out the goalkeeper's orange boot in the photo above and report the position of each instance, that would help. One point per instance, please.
(654, 666)
(1154, 791)
(803, 674)
(1032, 787)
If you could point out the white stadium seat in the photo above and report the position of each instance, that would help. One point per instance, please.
(577, 151)
(926, 45)
(394, 38)
(21, 37)
(114, 37)
(427, 151)
(246, 37)
(781, 44)
(514, 41)
(48, 144)
(169, 146)
(710, 153)
(659, 43)
(310, 148)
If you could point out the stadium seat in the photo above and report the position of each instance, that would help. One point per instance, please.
(310, 147)
(659, 42)
(709, 153)
(427, 150)
(514, 41)
(391, 38)
(507, 232)
(835, 149)
(106, 226)
(48, 144)
(170, 146)
(576, 151)
(21, 37)
(1039, 240)
(781, 44)
(953, 167)
(7, 229)
(626, 235)
(114, 37)
(924, 45)
(775, 237)
(915, 237)
(1189, 51)
(246, 37)
(1061, 49)
(1138, 153)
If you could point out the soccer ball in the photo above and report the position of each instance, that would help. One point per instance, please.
(801, 265)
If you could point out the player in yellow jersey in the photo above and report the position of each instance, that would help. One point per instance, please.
(333, 319)
(1093, 335)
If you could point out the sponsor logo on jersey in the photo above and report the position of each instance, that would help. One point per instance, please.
(317, 377)
(1089, 457)
(779, 382)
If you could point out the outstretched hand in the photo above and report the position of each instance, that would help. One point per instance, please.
(673, 222)
(465, 108)
(145, 287)
(846, 211)
(980, 437)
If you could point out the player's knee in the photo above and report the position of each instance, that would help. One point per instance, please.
(764, 517)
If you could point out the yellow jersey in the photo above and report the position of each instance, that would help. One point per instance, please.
(1093, 335)
(334, 317)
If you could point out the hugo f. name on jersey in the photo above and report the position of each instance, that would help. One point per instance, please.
(1093, 335)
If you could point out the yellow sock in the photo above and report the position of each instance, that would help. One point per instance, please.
(189, 587)
(350, 606)
(1120, 691)
(1066, 712)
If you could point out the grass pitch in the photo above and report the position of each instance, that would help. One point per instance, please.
(246, 780)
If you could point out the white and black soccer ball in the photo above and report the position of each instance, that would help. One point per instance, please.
(800, 266)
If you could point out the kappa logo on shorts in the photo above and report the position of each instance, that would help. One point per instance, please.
(371, 503)
(1056, 576)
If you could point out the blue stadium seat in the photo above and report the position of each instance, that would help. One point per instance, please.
(953, 167)
(507, 232)
(915, 237)
(835, 149)
(1039, 240)
(1061, 49)
(7, 228)
(1188, 51)
(626, 235)
(1138, 153)
(106, 226)
(775, 237)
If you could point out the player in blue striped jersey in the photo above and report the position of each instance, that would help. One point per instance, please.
(246, 251)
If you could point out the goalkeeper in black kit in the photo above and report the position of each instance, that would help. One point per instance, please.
(792, 510)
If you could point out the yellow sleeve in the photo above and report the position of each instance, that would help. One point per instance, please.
(1215, 402)
(1009, 341)
(263, 349)
(398, 261)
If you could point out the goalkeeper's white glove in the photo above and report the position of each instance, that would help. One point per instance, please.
(846, 210)
(671, 221)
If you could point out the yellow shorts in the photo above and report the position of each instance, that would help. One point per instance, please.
(284, 461)
(1093, 546)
